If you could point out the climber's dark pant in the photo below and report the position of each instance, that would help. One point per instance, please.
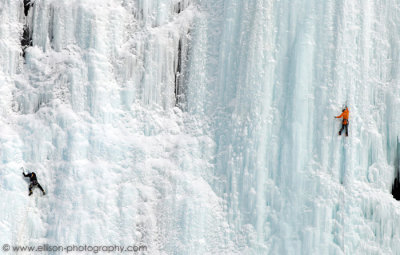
(343, 127)
(33, 185)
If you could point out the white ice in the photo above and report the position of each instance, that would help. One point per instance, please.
(201, 126)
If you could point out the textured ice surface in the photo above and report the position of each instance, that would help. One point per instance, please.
(201, 126)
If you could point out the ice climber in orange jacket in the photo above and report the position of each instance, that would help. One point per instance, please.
(345, 122)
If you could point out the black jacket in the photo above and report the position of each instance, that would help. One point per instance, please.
(32, 177)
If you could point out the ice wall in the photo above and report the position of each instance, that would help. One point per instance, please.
(200, 126)
(95, 91)
(270, 86)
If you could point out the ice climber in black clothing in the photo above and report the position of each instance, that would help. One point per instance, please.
(34, 182)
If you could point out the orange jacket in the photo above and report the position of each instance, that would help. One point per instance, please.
(345, 116)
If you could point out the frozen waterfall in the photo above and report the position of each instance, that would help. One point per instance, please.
(201, 126)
